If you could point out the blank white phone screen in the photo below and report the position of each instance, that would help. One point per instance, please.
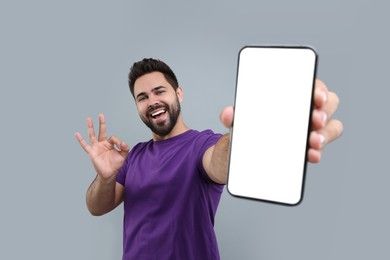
(271, 123)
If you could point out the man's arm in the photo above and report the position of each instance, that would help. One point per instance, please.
(104, 196)
(107, 156)
(216, 160)
(324, 131)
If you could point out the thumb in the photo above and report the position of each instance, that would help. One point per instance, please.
(124, 149)
(227, 116)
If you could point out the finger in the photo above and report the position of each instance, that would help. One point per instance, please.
(83, 143)
(332, 104)
(320, 94)
(314, 156)
(91, 131)
(102, 128)
(316, 140)
(318, 119)
(333, 130)
(227, 116)
(326, 103)
(114, 140)
(122, 147)
(324, 99)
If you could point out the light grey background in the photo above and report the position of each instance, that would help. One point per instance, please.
(62, 61)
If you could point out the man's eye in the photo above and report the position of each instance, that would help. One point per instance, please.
(141, 99)
(159, 92)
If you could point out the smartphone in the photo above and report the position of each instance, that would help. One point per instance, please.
(272, 112)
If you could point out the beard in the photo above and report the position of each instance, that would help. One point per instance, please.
(164, 127)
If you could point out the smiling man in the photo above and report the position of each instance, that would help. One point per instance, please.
(158, 104)
(171, 185)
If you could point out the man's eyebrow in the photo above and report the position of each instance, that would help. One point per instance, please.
(157, 88)
(153, 90)
(140, 94)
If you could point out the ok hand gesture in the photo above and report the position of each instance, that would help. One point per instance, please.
(107, 155)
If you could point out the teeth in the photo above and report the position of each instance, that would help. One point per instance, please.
(158, 113)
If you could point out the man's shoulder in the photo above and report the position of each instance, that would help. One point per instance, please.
(206, 132)
(141, 146)
(206, 137)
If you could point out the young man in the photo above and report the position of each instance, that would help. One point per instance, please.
(172, 184)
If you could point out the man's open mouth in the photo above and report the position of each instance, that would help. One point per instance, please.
(155, 114)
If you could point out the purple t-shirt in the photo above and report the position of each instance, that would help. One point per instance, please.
(169, 201)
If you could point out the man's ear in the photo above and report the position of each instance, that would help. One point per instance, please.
(179, 93)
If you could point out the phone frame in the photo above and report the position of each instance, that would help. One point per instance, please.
(309, 126)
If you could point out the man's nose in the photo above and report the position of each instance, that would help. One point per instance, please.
(153, 100)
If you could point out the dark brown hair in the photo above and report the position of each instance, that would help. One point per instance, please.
(149, 65)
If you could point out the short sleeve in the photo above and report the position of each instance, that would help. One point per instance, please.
(121, 177)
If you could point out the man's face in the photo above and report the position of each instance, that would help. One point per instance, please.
(158, 104)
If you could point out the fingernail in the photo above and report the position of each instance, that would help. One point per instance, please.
(324, 96)
(324, 117)
(322, 138)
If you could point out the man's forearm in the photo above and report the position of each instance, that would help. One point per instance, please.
(220, 159)
(101, 196)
